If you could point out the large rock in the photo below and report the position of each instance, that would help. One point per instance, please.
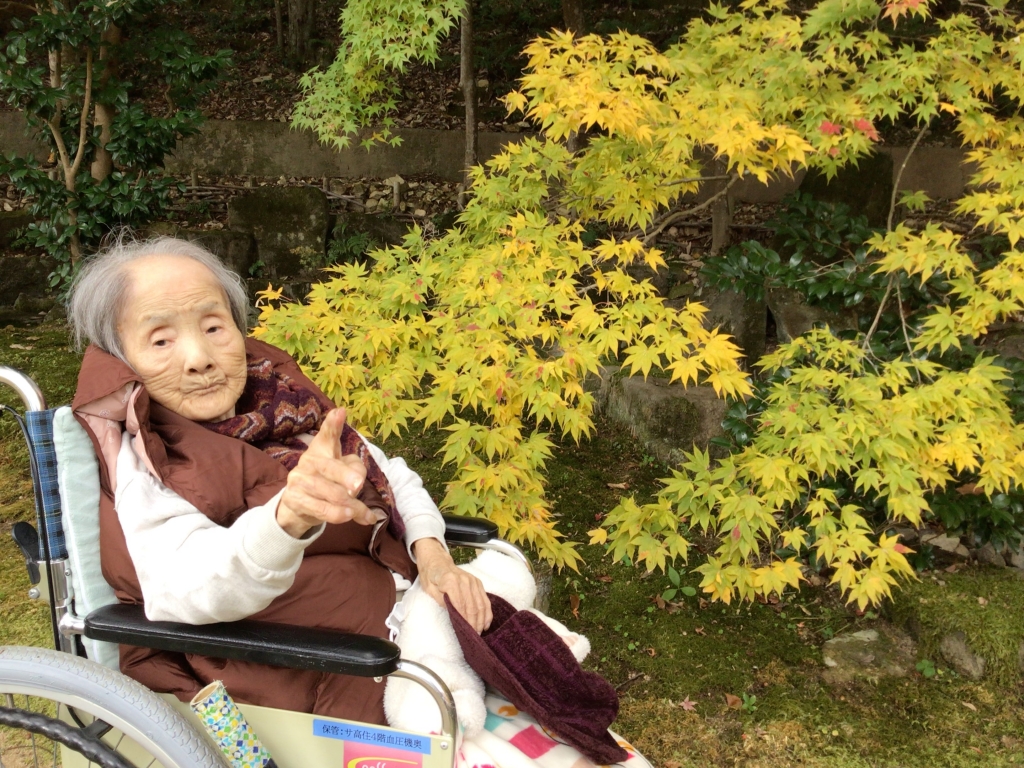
(1015, 557)
(794, 317)
(235, 248)
(869, 654)
(286, 222)
(667, 418)
(987, 554)
(11, 224)
(949, 544)
(866, 187)
(1006, 340)
(23, 275)
(958, 654)
(382, 229)
(744, 319)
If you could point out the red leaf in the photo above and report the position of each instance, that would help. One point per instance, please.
(736, 533)
(734, 702)
(574, 604)
(865, 127)
(829, 128)
(687, 705)
(902, 549)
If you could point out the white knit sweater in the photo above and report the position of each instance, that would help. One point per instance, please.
(195, 571)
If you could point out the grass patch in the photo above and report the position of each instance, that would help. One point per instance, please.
(44, 353)
(690, 650)
(985, 603)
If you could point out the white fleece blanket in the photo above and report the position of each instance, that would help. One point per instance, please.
(492, 732)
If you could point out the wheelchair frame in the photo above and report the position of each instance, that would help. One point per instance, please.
(262, 642)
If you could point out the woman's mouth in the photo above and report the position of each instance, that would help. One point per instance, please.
(209, 389)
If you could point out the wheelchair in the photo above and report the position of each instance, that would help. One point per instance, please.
(71, 706)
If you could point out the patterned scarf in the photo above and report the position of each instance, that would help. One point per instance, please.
(273, 411)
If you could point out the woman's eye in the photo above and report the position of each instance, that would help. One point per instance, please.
(213, 329)
(160, 343)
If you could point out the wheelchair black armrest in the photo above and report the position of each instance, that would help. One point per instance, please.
(280, 645)
(468, 530)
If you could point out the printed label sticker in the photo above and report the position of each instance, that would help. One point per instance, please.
(400, 743)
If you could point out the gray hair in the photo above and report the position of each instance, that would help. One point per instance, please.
(101, 288)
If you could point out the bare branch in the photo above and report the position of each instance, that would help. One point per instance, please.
(888, 227)
(903, 318)
(878, 314)
(899, 175)
(650, 235)
(694, 179)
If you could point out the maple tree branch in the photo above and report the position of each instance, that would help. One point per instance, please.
(903, 318)
(878, 314)
(899, 176)
(888, 228)
(693, 179)
(650, 235)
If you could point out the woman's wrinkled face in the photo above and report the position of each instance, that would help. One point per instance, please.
(178, 334)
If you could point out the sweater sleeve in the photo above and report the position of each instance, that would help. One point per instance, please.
(420, 514)
(191, 569)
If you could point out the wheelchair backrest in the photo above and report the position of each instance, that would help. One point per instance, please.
(67, 484)
(78, 481)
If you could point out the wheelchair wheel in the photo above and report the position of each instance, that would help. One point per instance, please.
(31, 738)
(48, 698)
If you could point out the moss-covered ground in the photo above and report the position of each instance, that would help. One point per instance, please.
(675, 665)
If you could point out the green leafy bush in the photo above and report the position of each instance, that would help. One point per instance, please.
(832, 263)
(826, 257)
(59, 68)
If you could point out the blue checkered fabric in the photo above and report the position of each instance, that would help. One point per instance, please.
(40, 432)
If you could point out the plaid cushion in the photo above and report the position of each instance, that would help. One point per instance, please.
(40, 432)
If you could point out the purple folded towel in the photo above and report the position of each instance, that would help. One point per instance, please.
(534, 669)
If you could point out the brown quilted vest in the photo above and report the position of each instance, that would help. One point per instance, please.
(220, 475)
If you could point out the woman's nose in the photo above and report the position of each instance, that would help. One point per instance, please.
(197, 356)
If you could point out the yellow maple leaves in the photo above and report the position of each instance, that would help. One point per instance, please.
(505, 316)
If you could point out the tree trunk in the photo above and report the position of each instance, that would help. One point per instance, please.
(467, 78)
(721, 209)
(103, 163)
(279, 25)
(572, 16)
(301, 16)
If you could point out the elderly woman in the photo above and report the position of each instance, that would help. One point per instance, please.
(232, 487)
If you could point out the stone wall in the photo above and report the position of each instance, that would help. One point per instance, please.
(267, 148)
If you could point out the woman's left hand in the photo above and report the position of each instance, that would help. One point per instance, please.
(439, 576)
